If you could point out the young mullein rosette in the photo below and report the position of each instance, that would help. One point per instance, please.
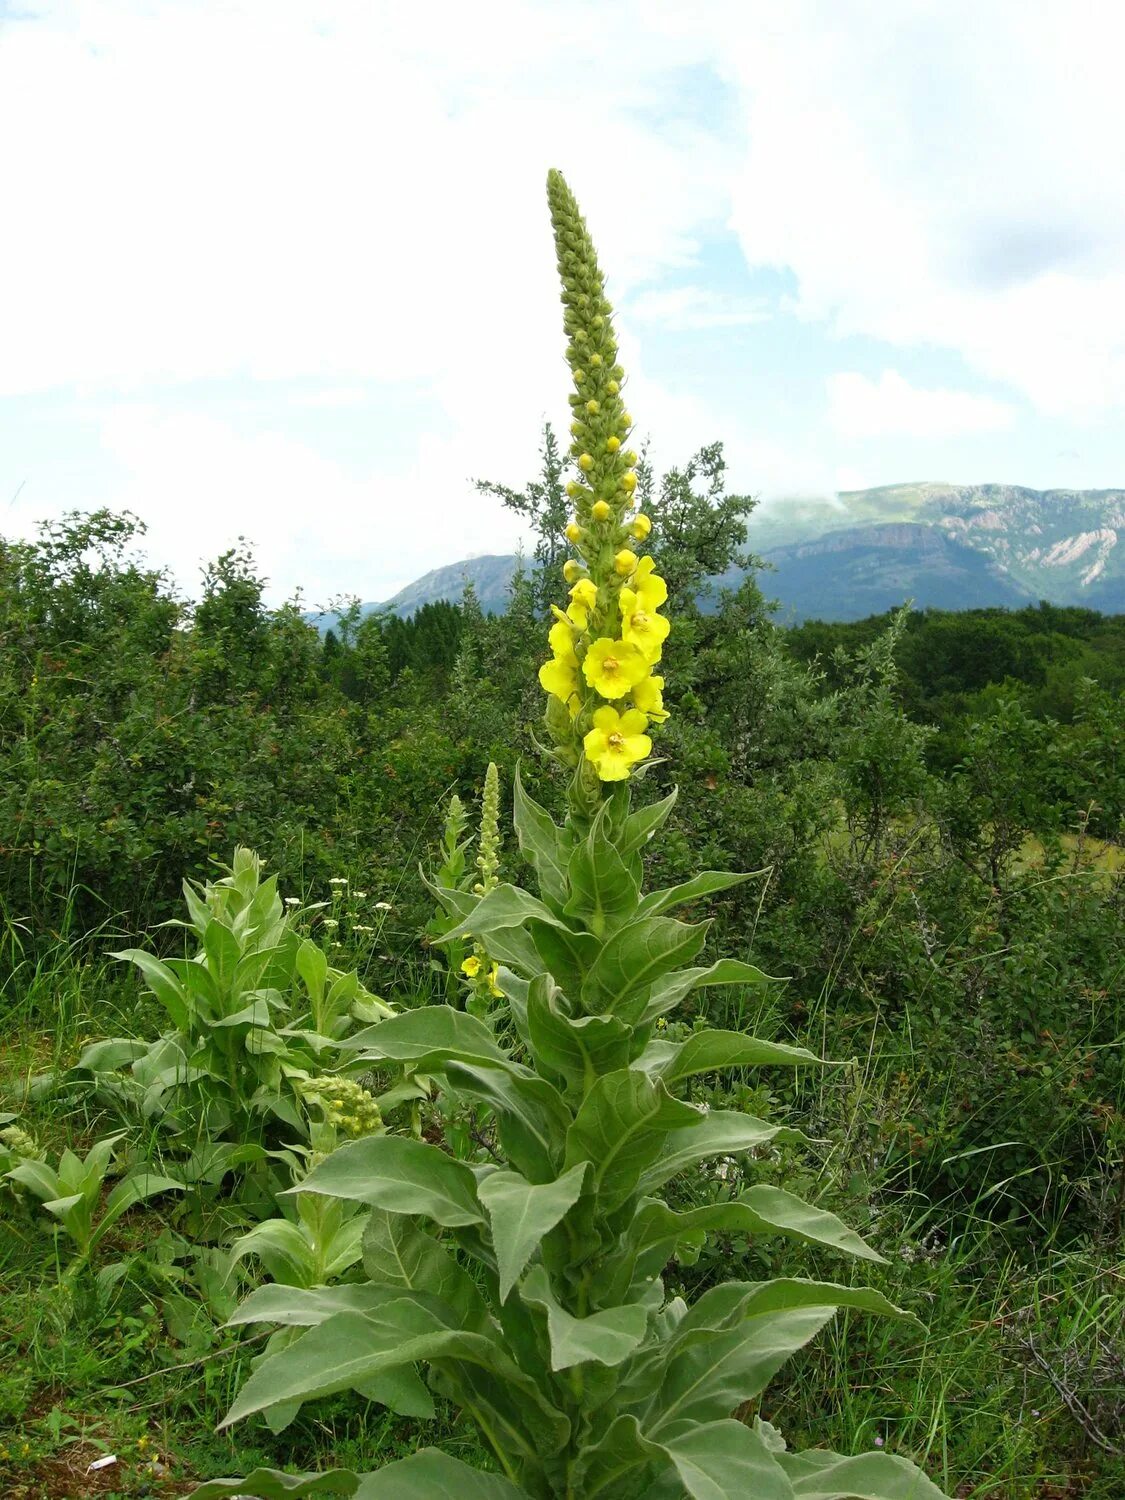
(478, 968)
(604, 693)
(527, 1287)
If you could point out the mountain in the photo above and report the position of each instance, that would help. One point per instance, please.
(866, 551)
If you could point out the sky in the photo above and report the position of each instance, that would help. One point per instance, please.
(282, 269)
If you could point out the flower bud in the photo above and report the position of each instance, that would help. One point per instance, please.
(626, 421)
(579, 376)
(625, 562)
(641, 527)
(629, 481)
(612, 387)
(575, 428)
(573, 489)
(601, 511)
(592, 408)
(612, 444)
(630, 458)
(595, 360)
(585, 462)
(574, 532)
(572, 570)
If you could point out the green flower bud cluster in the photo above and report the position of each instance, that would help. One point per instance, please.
(488, 856)
(18, 1142)
(346, 1104)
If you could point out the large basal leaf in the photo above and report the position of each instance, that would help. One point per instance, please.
(521, 1213)
(427, 1037)
(706, 1381)
(398, 1253)
(531, 1119)
(348, 1350)
(604, 1338)
(667, 992)
(720, 1133)
(401, 1176)
(305, 1307)
(634, 959)
(820, 1475)
(578, 1050)
(541, 843)
(430, 1474)
(706, 883)
(271, 1484)
(725, 1460)
(710, 1051)
(620, 1127)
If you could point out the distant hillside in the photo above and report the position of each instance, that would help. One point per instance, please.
(865, 551)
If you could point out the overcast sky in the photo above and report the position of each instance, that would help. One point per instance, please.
(283, 268)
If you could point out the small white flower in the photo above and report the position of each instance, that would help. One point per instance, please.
(338, 880)
(383, 906)
(292, 901)
(358, 928)
(331, 923)
(362, 895)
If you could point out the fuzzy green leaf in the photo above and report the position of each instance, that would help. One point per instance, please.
(726, 1460)
(634, 959)
(271, 1484)
(427, 1037)
(521, 1213)
(621, 1127)
(305, 1307)
(604, 1338)
(667, 993)
(720, 1133)
(430, 1474)
(532, 1120)
(398, 1253)
(706, 883)
(163, 984)
(402, 1176)
(708, 1051)
(580, 1050)
(820, 1475)
(541, 843)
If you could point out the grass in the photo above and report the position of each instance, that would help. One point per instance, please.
(1013, 1392)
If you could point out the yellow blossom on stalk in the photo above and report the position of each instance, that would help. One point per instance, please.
(591, 653)
(471, 966)
(641, 626)
(648, 696)
(617, 742)
(494, 983)
(612, 668)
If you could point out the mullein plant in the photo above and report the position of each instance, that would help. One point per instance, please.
(529, 1289)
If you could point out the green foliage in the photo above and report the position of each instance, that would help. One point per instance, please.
(256, 1013)
(582, 1374)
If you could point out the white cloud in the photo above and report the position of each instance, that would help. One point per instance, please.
(862, 408)
(684, 308)
(947, 175)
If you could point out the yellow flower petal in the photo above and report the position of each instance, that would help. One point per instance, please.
(612, 667)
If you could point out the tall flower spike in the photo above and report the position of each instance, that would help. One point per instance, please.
(599, 665)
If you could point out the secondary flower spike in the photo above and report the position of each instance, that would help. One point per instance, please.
(606, 644)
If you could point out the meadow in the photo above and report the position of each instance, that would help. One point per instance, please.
(265, 922)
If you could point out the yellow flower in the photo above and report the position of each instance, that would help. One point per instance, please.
(573, 532)
(648, 696)
(561, 639)
(648, 582)
(641, 527)
(600, 510)
(585, 462)
(493, 982)
(578, 615)
(616, 742)
(585, 593)
(471, 966)
(560, 677)
(624, 562)
(641, 625)
(613, 667)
